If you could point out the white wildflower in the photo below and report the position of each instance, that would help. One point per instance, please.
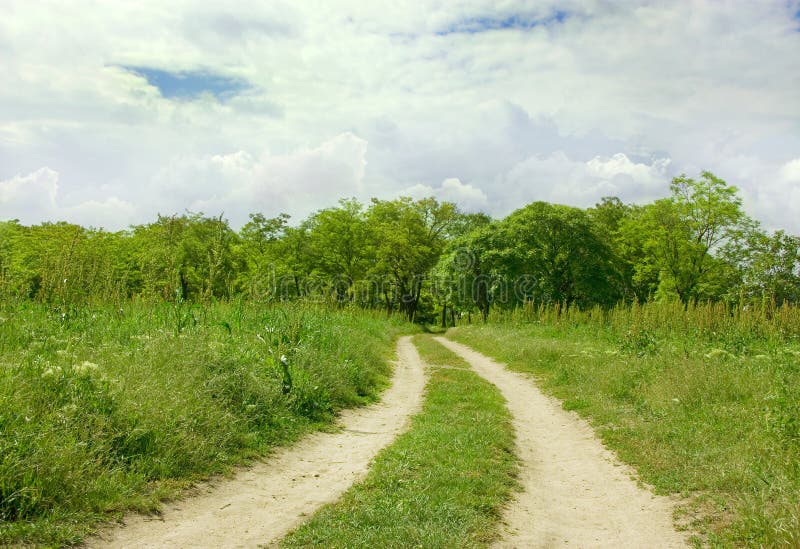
(85, 367)
(51, 371)
(70, 408)
(713, 353)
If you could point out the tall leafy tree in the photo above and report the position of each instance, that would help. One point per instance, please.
(769, 265)
(259, 241)
(339, 246)
(466, 272)
(407, 237)
(683, 232)
(555, 255)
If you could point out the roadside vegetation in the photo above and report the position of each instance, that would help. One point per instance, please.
(442, 483)
(104, 410)
(134, 362)
(704, 401)
(422, 259)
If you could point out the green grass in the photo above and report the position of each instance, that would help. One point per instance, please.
(105, 410)
(711, 416)
(441, 484)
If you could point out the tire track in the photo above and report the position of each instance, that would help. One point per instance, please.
(575, 491)
(263, 503)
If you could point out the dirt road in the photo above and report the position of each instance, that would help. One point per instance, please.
(575, 491)
(261, 504)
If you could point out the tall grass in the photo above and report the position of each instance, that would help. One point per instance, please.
(703, 400)
(761, 321)
(104, 409)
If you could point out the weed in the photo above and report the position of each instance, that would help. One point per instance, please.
(704, 401)
(104, 410)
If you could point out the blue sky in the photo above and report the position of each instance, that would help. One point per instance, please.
(190, 84)
(512, 22)
(113, 113)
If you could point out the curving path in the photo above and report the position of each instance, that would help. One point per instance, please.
(575, 491)
(263, 503)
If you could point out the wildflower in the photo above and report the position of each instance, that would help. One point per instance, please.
(713, 353)
(50, 372)
(70, 408)
(85, 368)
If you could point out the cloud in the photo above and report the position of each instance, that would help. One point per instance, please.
(190, 84)
(467, 197)
(31, 196)
(516, 100)
(790, 172)
(776, 201)
(233, 184)
(35, 197)
(558, 178)
(240, 183)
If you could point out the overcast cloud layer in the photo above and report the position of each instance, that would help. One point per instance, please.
(112, 112)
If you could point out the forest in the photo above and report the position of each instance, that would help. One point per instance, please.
(423, 259)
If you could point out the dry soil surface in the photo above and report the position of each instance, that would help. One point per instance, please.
(575, 492)
(263, 503)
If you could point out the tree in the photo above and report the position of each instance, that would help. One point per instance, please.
(407, 238)
(681, 234)
(338, 245)
(466, 273)
(616, 224)
(259, 239)
(191, 256)
(769, 265)
(554, 254)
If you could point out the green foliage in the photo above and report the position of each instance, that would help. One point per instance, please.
(441, 484)
(105, 409)
(420, 258)
(702, 400)
(681, 233)
(561, 251)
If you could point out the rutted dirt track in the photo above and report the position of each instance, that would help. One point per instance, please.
(575, 492)
(261, 504)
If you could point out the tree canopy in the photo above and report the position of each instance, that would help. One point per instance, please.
(422, 258)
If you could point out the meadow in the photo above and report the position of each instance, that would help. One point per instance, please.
(105, 409)
(704, 401)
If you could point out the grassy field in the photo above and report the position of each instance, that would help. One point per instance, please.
(442, 483)
(704, 402)
(104, 410)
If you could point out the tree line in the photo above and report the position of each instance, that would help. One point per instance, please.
(421, 258)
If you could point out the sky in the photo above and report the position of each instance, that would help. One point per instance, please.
(114, 112)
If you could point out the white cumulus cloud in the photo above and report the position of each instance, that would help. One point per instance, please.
(464, 195)
(370, 99)
(35, 197)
